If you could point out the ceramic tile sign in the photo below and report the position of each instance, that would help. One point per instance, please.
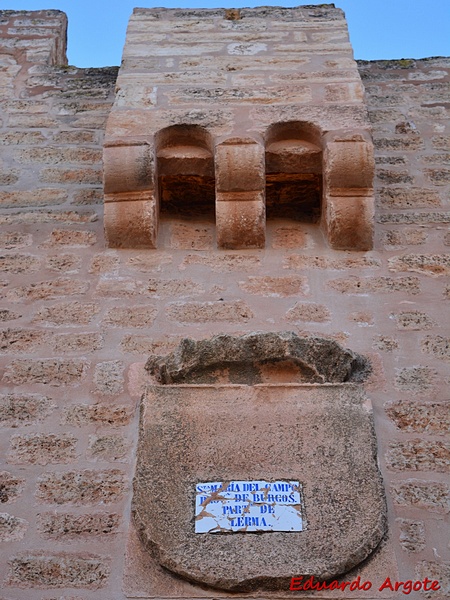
(248, 506)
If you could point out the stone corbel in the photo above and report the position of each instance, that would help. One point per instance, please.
(131, 203)
(240, 194)
(348, 210)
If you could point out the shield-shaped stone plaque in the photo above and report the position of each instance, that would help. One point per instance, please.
(316, 438)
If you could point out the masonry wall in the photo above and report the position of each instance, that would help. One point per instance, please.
(79, 321)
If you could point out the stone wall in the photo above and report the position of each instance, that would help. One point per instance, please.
(79, 321)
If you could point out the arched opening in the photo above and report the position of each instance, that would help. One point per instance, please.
(185, 167)
(293, 172)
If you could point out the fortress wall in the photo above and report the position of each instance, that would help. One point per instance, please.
(79, 320)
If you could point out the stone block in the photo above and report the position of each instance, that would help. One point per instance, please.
(438, 346)
(64, 263)
(299, 261)
(277, 287)
(434, 265)
(419, 455)
(435, 571)
(71, 238)
(107, 448)
(11, 487)
(50, 371)
(348, 222)
(289, 237)
(48, 290)
(67, 313)
(12, 529)
(128, 168)
(308, 312)
(62, 526)
(433, 496)
(105, 415)
(206, 312)
(413, 320)
(108, 378)
(131, 222)
(131, 316)
(19, 263)
(420, 417)
(81, 488)
(412, 535)
(15, 240)
(415, 380)
(19, 341)
(24, 409)
(223, 263)
(40, 569)
(385, 285)
(77, 343)
(219, 560)
(42, 449)
(239, 166)
(70, 176)
(240, 221)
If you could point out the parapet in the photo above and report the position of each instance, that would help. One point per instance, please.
(245, 114)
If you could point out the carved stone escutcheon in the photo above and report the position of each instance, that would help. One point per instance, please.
(316, 430)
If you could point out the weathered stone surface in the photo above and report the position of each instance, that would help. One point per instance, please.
(419, 417)
(77, 343)
(275, 286)
(434, 264)
(219, 417)
(412, 535)
(413, 320)
(436, 571)
(107, 447)
(64, 263)
(97, 414)
(42, 449)
(82, 488)
(19, 263)
(51, 371)
(62, 526)
(67, 313)
(21, 341)
(24, 409)
(297, 261)
(13, 241)
(200, 312)
(12, 529)
(71, 238)
(108, 377)
(364, 285)
(438, 346)
(308, 312)
(40, 569)
(11, 487)
(430, 495)
(223, 262)
(131, 316)
(319, 360)
(415, 379)
(47, 290)
(419, 455)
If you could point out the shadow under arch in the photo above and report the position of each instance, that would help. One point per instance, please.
(185, 168)
(294, 171)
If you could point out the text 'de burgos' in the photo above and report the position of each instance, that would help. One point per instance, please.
(248, 506)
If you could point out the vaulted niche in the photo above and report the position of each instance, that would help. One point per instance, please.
(293, 172)
(185, 167)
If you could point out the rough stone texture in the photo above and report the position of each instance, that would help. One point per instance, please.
(24, 409)
(42, 449)
(97, 414)
(60, 294)
(50, 371)
(71, 526)
(310, 421)
(81, 487)
(200, 312)
(419, 455)
(108, 378)
(412, 535)
(313, 359)
(58, 570)
(436, 571)
(430, 495)
(12, 529)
